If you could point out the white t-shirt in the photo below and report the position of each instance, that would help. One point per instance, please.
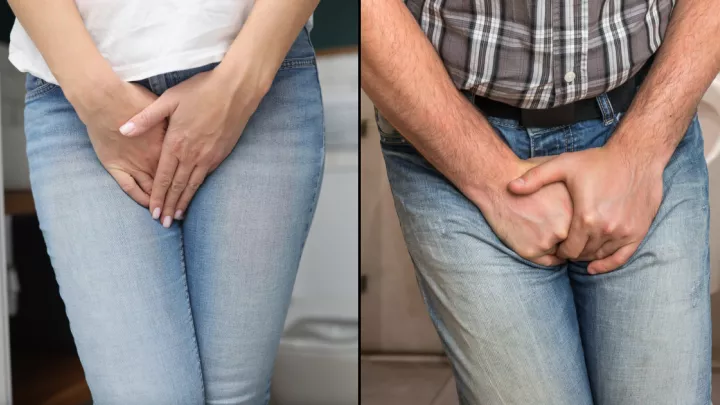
(142, 38)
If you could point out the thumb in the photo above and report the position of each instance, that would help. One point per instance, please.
(539, 176)
(152, 115)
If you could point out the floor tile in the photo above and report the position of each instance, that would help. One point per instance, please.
(448, 394)
(399, 383)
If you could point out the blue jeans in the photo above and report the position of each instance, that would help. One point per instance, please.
(192, 314)
(520, 333)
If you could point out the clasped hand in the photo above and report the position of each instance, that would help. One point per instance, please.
(595, 205)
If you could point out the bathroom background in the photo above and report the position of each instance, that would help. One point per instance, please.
(317, 362)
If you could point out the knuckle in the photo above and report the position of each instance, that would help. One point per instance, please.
(163, 182)
(177, 186)
(610, 227)
(625, 230)
(588, 220)
(193, 186)
(127, 186)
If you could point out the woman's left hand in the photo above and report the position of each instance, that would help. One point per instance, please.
(207, 114)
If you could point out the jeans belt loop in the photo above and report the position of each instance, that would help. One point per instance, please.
(606, 108)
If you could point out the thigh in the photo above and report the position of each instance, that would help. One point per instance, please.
(646, 326)
(244, 234)
(120, 273)
(508, 326)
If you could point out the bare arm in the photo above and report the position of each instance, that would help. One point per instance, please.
(685, 65)
(265, 39)
(405, 78)
(56, 28)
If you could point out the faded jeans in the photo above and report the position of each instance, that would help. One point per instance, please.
(192, 314)
(521, 333)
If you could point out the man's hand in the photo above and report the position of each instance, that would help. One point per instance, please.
(531, 225)
(615, 200)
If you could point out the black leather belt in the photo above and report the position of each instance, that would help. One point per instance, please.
(620, 99)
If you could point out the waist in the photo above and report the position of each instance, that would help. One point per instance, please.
(600, 107)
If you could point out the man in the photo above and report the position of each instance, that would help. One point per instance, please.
(547, 169)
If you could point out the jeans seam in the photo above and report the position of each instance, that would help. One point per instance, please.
(298, 63)
(196, 350)
(39, 91)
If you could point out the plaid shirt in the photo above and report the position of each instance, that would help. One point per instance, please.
(542, 53)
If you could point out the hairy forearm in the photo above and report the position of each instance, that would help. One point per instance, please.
(406, 80)
(266, 37)
(56, 28)
(685, 65)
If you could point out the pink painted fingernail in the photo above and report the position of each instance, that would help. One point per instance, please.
(167, 221)
(156, 213)
(178, 214)
(127, 128)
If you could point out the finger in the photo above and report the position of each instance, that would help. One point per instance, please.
(541, 175)
(196, 179)
(179, 183)
(152, 115)
(145, 181)
(609, 247)
(612, 262)
(130, 187)
(548, 260)
(163, 178)
(595, 242)
(574, 244)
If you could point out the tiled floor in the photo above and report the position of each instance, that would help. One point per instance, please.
(418, 383)
(406, 383)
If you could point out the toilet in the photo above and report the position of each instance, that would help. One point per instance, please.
(709, 114)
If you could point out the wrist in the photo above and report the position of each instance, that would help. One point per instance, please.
(92, 92)
(636, 152)
(242, 78)
(493, 182)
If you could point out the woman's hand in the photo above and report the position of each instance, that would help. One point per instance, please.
(130, 161)
(207, 114)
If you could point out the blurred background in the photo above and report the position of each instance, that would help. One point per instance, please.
(317, 362)
(402, 361)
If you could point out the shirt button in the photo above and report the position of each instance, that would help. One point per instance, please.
(569, 77)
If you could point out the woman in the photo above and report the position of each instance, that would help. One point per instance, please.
(176, 152)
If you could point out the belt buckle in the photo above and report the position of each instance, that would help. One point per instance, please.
(549, 117)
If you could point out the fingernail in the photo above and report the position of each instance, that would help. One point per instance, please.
(156, 213)
(167, 221)
(127, 128)
(178, 214)
(519, 181)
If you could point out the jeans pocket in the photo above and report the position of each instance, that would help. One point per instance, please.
(36, 87)
(301, 53)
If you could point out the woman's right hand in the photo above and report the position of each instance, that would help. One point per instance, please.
(130, 161)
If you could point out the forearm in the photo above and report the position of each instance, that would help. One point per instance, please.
(686, 64)
(265, 39)
(406, 80)
(56, 28)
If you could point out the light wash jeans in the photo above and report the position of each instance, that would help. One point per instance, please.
(520, 333)
(192, 314)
